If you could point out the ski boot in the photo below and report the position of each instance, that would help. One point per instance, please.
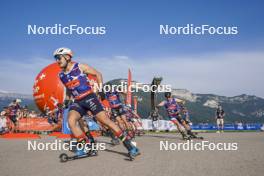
(92, 146)
(80, 147)
(133, 151)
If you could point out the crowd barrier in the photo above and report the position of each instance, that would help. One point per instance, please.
(41, 124)
(166, 125)
(34, 124)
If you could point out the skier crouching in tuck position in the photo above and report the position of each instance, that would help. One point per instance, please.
(74, 77)
(173, 110)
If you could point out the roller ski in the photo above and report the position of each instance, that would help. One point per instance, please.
(184, 136)
(86, 150)
(78, 155)
(194, 135)
(197, 137)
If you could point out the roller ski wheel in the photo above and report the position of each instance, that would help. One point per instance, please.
(63, 157)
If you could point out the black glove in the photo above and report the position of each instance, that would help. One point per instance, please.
(67, 103)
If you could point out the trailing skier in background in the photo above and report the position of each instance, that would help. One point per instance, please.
(173, 110)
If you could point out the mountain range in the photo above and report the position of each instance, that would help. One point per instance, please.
(241, 108)
(202, 107)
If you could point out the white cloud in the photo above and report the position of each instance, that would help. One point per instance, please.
(19, 76)
(219, 73)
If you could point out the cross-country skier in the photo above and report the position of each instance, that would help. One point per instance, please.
(74, 77)
(173, 109)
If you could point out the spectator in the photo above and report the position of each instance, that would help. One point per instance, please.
(13, 112)
(220, 113)
(25, 112)
(3, 122)
(32, 114)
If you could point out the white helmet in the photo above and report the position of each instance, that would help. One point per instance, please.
(62, 51)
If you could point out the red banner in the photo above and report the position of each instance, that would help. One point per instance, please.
(135, 104)
(129, 94)
(35, 124)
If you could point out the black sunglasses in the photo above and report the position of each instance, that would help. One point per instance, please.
(58, 57)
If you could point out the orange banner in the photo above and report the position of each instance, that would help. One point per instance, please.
(35, 124)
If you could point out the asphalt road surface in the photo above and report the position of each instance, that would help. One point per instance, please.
(248, 159)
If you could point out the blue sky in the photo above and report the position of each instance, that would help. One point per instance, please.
(133, 36)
